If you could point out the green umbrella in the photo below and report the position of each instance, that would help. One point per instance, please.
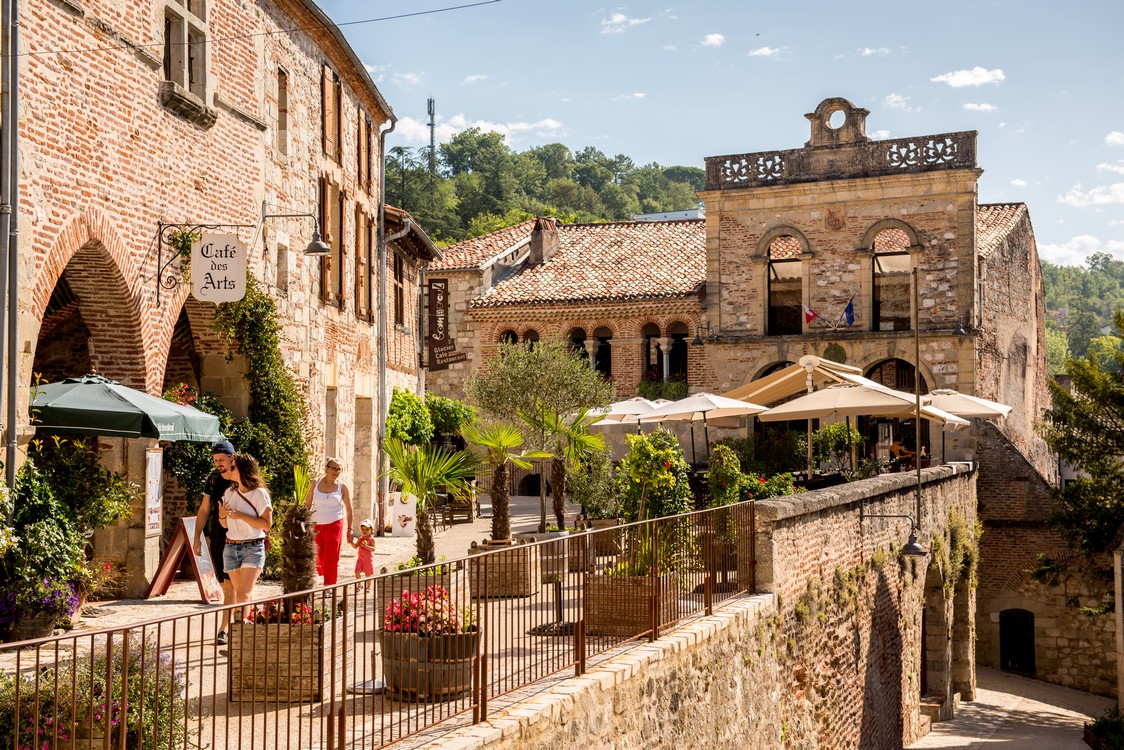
(93, 405)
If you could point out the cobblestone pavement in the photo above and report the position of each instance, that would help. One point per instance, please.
(452, 542)
(1012, 711)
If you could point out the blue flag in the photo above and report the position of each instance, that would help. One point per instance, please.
(849, 312)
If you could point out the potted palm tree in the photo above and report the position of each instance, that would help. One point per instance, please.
(518, 571)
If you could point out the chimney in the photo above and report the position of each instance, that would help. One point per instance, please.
(544, 241)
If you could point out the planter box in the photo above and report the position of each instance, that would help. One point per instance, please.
(606, 542)
(554, 557)
(389, 589)
(513, 570)
(619, 605)
(431, 668)
(276, 662)
(581, 552)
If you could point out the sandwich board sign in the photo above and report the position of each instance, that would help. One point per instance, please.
(209, 588)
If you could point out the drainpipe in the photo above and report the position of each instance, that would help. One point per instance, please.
(11, 129)
(423, 331)
(6, 141)
(380, 429)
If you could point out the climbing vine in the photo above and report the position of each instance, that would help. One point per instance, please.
(274, 432)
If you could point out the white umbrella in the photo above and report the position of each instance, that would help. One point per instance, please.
(698, 407)
(963, 405)
(625, 411)
(853, 400)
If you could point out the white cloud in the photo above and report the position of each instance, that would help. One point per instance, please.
(872, 51)
(764, 52)
(1102, 195)
(633, 95)
(977, 76)
(1118, 167)
(713, 40)
(408, 79)
(974, 107)
(880, 135)
(1077, 249)
(619, 22)
(1018, 183)
(897, 101)
(417, 131)
(670, 48)
(375, 71)
(1115, 138)
(475, 77)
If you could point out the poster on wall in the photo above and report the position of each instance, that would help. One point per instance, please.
(442, 349)
(153, 492)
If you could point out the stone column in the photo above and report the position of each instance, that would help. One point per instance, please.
(665, 346)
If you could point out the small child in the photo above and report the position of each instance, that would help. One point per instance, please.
(365, 564)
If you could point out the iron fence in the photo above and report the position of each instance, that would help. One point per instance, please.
(331, 667)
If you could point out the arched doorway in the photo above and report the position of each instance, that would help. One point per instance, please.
(603, 356)
(1016, 641)
(879, 433)
(677, 360)
(577, 339)
(936, 651)
(651, 356)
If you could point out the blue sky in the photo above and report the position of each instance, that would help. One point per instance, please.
(1042, 82)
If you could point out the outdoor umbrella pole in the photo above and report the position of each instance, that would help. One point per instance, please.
(706, 438)
(694, 456)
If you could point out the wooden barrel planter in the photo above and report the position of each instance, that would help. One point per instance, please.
(28, 628)
(515, 570)
(276, 661)
(427, 668)
(581, 551)
(620, 605)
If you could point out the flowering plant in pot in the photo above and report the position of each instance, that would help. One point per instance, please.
(32, 609)
(428, 646)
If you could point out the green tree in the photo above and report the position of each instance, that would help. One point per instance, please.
(1085, 425)
(1082, 328)
(571, 445)
(1057, 349)
(407, 419)
(496, 445)
(557, 160)
(535, 382)
(421, 471)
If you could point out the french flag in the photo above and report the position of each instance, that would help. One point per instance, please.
(809, 314)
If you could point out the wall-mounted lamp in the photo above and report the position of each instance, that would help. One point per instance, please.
(316, 246)
(698, 340)
(911, 548)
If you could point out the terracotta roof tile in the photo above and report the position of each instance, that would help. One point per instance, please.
(619, 261)
(475, 252)
(994, 221)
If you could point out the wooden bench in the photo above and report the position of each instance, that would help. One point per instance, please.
(457, 507)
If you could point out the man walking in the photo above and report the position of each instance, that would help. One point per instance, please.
(216, 485)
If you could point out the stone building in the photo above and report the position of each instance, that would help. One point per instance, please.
(250, 118)
(887, 244)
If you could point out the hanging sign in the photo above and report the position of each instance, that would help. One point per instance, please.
(218, 268)
(442, 349)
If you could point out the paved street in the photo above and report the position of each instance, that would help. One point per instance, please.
(1012, 711)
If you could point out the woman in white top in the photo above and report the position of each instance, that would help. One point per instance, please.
(331, 512)
(247, 514)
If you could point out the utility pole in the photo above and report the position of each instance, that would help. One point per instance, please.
(431, 108)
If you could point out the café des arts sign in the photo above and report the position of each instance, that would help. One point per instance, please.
(218, 268)
(442, 350)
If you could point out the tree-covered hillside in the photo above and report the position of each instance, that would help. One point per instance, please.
(1080, 304)
(479, 185)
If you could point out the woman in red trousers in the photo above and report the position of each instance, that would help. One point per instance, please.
(331, 513)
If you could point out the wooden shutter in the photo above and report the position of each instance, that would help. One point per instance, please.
(360, 148)
(326, 229)
(328, 104)
(367, 154)
(339, 250)
(362, 295)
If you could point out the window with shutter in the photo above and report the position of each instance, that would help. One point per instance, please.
(325, 260)
(362, 285)
(339, 251)
(329, 124)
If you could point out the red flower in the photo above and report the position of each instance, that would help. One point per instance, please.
(667, 464)
(761, 480)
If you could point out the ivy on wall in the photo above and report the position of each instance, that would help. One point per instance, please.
(274, 431)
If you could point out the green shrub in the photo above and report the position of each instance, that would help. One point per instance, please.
(831, 445)
(777, 485)
(191, 463)
(407, 418)
(1109, 728)
(653, 477)
(448, 414)
(724, 478)
(593, 486)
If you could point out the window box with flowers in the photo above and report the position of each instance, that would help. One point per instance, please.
(429, 647)
(279, 655)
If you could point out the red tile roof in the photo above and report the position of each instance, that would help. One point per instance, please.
(994, 221)
(474, 252)
(619, 261)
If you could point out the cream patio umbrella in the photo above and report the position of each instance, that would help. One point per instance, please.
(698, 407)
(854, 400)
(963, 405)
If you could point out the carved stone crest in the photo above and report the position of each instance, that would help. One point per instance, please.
(835, 218)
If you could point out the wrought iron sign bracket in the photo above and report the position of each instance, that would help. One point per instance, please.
(167, 276)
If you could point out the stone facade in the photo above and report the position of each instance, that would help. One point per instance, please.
(269, 121)
(851, 647)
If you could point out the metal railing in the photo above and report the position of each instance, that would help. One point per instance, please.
(325, 668)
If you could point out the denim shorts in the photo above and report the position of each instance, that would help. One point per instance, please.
(244, 555)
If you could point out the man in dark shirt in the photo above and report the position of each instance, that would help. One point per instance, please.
(213, 490)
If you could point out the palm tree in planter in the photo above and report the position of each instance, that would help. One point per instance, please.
(573, 445)
(495, 445)
(515, 570)
(419, 471)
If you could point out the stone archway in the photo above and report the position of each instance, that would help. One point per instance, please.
(936, 651)
(91, 322)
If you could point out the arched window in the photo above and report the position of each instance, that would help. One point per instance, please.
(509, 337)
(603, 355)
(891, 281)
(577, 342)
(677, 362)
(881, 432)
(785, 288)
(530, 338)
(652, 357)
